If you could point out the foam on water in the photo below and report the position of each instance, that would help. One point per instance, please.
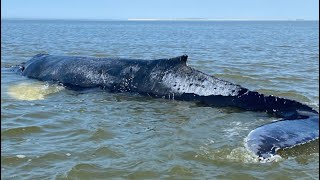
(33, 91)
(243, 155)
(236, 154)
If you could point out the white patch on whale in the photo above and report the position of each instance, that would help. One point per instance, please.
(205, 87)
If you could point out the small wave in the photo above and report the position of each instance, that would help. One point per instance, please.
(235, 129)
(32, 91)
(283, 79)
(239, 154)
(7, 65)
(21, 131)
(314, 56)
(237, 77)
(302, 150)
(292, 94)
(178, 171)
(100, 134)
(284, 46)
(242, 154)
(94, 171)
(107, 152)
(313, 104)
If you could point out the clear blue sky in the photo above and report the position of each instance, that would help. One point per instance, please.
(124, 9)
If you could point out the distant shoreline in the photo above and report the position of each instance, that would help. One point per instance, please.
(210, 19)
(153, 19)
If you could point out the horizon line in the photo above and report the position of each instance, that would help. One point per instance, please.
(153, 19)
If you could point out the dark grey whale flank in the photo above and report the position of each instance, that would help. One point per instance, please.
(173, 79)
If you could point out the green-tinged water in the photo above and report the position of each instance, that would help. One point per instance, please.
(48, 132)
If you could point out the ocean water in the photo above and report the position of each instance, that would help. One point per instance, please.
(48, 132)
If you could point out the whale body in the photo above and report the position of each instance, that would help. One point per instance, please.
(172, 78)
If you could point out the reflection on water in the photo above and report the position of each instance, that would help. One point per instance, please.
(32, 91)
(49, 132)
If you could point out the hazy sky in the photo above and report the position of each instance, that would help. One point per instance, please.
(124, 9)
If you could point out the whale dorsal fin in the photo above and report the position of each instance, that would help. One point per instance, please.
(180, 59)
(184, 58)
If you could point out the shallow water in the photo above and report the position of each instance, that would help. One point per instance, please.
(48, 132)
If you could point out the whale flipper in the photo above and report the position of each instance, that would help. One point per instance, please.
(267, 139)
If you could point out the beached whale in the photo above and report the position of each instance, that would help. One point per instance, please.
(173, 79)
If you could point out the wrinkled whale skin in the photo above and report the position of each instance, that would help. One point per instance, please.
(173, 79)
